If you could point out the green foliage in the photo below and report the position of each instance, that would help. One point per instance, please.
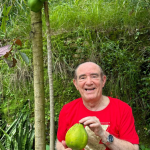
(144, 84)
(143, 147)
(5, 17)
(120, 66)
(79, 14)
(24, 57)
(16, 90)
(19, 135)
(62, 96)
(99, 14)
(15, 18)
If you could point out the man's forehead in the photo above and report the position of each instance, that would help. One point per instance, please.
(88, 64)
(90, 68)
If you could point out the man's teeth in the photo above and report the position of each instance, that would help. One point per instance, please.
(89, 89)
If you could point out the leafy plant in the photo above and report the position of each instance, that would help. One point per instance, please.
(7, 50)
(143, 147)
(19, 135)
(98, 14)
(12, 13)
(6, 11)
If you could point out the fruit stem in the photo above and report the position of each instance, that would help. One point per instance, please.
(81, 123)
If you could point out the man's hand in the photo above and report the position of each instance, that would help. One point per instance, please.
(94, 124)
(62, 145)
(65, 146)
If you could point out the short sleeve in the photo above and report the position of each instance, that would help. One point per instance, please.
(62, 125)
(127, 128)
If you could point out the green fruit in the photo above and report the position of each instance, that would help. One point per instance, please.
(76, 137)
(35, 5)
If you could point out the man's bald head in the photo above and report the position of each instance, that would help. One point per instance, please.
(101, 71)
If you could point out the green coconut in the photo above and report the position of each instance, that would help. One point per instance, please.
(35, 5)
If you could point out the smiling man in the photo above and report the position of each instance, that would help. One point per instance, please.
(109, 121)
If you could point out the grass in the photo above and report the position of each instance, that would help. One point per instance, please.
(98, 14)
(76, 15)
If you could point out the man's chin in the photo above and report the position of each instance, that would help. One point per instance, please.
(87, 99)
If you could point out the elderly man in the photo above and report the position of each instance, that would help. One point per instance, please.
(109, 121)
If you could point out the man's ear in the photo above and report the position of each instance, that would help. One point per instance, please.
(104, 80)
(75, 83)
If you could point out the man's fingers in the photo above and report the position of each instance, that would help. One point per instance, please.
(89, 120)
(65, 146)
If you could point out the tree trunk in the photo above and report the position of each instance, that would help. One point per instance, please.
(39, 108)
(49, 53)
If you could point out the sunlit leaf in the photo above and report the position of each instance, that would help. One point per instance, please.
(4, 50)
(24, 57)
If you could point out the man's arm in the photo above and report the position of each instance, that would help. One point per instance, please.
(116, 145)
(119, 144)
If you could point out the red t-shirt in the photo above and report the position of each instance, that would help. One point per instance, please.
(117, 116)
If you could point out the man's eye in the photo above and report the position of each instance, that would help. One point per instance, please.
(82, 77)
(94, 76)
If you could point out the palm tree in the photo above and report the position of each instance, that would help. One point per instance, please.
(39, 108)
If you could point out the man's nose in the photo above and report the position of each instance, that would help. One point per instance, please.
(88, 80)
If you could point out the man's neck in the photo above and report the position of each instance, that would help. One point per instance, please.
(98, 105)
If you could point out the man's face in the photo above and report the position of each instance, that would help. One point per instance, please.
(89, 81)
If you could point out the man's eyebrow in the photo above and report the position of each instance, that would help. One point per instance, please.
(90, 74)
(94, 74)
(81, 75)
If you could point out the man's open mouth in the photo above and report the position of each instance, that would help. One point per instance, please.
(90, 89)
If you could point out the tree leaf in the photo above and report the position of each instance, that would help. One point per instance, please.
(5, 17)
(14, 62)
(8, 10)
(4, 50)
(24, 57)
(18, 42)
(7, 135)
(3, 26)
(4, 10)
